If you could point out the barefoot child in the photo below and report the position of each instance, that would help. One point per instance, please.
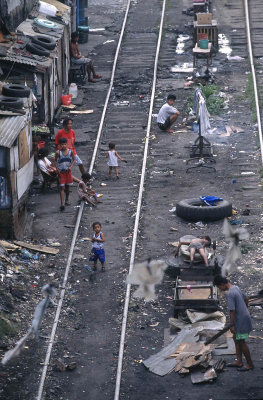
(98, 246)
(113, 157)
(84, 190)
(65, 160)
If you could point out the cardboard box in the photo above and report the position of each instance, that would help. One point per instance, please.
(204, 18)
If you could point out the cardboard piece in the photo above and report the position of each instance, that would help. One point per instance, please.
(204, 18)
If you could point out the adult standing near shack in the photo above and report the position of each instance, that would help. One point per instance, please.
(77, 58)
(68, 133)
(237, 304)
(168, 114)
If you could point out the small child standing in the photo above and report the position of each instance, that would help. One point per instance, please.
(84, 191)
(113, 157)
(65, 160)
(98, 247)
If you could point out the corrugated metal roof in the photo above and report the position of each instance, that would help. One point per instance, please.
(10, 127)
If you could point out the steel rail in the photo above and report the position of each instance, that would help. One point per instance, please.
(252, 66)
(138, 212)
(79, 216)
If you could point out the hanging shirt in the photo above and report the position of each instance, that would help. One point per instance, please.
(64, 161)
(97, 245)
(113, 160)
(165, 112)
(70, 136)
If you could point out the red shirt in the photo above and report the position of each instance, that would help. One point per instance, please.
(70, 135)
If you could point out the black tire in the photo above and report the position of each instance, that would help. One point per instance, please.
(11, 102)
(44, 41)
(195, 210)
(38, 50)
(14, 90)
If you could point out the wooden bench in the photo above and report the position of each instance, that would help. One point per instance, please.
(77, 72)
(207, 53)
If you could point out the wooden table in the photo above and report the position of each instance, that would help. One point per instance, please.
(205, 52)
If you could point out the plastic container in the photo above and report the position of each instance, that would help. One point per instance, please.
(66, 99)
(41, 144)
(203, 43)
(47, 9)
(73, 89)
(83, 31)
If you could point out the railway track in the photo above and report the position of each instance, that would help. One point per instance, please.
(103, 339)
(137, 57)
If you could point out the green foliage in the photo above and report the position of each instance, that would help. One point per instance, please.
(6, 329)
(213, 102)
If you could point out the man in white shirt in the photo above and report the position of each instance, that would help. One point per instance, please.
(168, 114)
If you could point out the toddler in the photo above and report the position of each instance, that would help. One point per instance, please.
(113, 157)
(98, 247)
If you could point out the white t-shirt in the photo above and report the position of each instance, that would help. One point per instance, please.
(43, 165)
(113, 160)
(165, 112)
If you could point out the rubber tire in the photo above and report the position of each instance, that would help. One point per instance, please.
(44, 41)
(14, 90)
(190, 210)
(38, 50)
(12, 102)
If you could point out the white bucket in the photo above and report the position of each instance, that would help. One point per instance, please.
(73, 89)
(47, 9)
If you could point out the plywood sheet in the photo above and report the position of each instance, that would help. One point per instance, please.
(195, 294)
(23, 148)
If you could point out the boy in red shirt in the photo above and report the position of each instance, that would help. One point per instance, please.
(68, 133)
(65, 160)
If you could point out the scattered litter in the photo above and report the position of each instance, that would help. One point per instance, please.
(27, 255)
(122, 103)
(99, 195)
(155, 324)
(236, 221)
(235, 58)
(200, 224)
(108, 41)
(175, 244)
(248, 173)
(183, 68)
(173, 209)
(198, 376)
(172, 229)
(103, 184)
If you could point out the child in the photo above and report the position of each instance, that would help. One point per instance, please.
(84, 191)
(197, 244)
(98, 247)
(113, 157)
(65, 160)
(45, 164)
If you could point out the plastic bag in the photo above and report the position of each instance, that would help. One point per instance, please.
(66, 99)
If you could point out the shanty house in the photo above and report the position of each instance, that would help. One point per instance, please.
(16, 170)
(47, 76)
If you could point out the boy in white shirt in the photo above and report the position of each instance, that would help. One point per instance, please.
(168, 114)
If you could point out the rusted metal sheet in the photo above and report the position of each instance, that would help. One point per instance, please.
(10, 127)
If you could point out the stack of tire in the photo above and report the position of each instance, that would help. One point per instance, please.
(12, 97)
(41, 45)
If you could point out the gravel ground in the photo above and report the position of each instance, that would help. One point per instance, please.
(89, 327)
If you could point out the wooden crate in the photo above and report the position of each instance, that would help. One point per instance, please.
(210, 30)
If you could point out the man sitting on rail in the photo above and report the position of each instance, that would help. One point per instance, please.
(77, 58)
(168, 114)
(197, 244)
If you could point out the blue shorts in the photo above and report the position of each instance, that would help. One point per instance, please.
(97, 254)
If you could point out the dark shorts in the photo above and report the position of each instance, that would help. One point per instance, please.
(196, 246)
(165, 125)
(97, 254)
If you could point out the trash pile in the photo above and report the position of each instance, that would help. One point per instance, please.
(196, 349)
(21, 271)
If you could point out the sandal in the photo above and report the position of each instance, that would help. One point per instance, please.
(97, 76)
(244, 369)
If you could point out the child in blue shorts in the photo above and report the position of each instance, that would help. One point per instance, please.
(98, 246)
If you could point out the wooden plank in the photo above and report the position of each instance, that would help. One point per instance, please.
(23, 148)
(41, 249)
(8, 246)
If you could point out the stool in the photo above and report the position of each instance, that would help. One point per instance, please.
(77, 72)
(205, 52)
